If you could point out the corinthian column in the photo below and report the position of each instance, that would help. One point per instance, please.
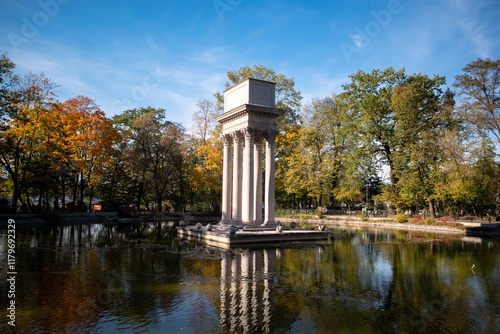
(237, 177)
(257, 168)
(248, 209)
(226, 179)
(269, 199)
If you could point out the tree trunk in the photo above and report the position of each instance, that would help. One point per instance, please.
(39, 204)
(432, 208)
(28, 201)
(15, 197)
(139, 196)
(90, 198)
(75, 188)
(158, 202)
(82, 187)
(497, 202)
(63, 192)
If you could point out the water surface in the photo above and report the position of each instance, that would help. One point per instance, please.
(139, 278)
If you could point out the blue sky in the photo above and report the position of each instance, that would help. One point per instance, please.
(169, 54)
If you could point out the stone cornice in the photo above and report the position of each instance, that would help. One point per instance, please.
(246, 109)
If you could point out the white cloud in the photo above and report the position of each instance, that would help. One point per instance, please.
(471, 18)
(476, 36)
(116, 86)
(357, 40)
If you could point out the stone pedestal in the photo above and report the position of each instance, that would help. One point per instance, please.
(249, 115)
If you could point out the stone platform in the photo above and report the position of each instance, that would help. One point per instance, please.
(221, 237)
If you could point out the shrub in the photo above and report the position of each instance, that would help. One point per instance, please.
(401, 219)
(320, 214)
(429, 221)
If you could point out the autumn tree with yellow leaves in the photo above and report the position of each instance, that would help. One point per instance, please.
(205, 159)
(44, 142)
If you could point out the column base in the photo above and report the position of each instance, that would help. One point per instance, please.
(253, 224)
(268, 224)
(236, 223)
(225, 222)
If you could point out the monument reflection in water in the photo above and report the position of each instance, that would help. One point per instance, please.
(246, 290)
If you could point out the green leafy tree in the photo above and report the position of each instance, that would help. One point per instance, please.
(315, 165)
(398, 119)
(468, 178)
(7, 79)
(370, 116)
(156, 153)
(124, 173)
(479, 88)
(286, 96)
(423, 114)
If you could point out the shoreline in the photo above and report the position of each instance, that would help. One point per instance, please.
(29, 220)
(478, 230)
(33, 219)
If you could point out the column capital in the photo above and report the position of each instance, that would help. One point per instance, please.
(248, 132)
(237, 136)
(270, 135)
(227, 138)
(258, 137)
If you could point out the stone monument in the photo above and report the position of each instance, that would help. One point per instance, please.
(248, 122)
(248, 125)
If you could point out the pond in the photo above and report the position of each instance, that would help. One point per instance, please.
(139, 278)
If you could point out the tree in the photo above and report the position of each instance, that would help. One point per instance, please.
(205, 161)
(315, 164)
(369, 113)
(479, 88)
(423, 113)
(26, 103)
(90, 139)
(7, 79)
(204, 119)
(398, 120)
(286, 96)
(156, 150)
(468, 179)
(130, 178)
